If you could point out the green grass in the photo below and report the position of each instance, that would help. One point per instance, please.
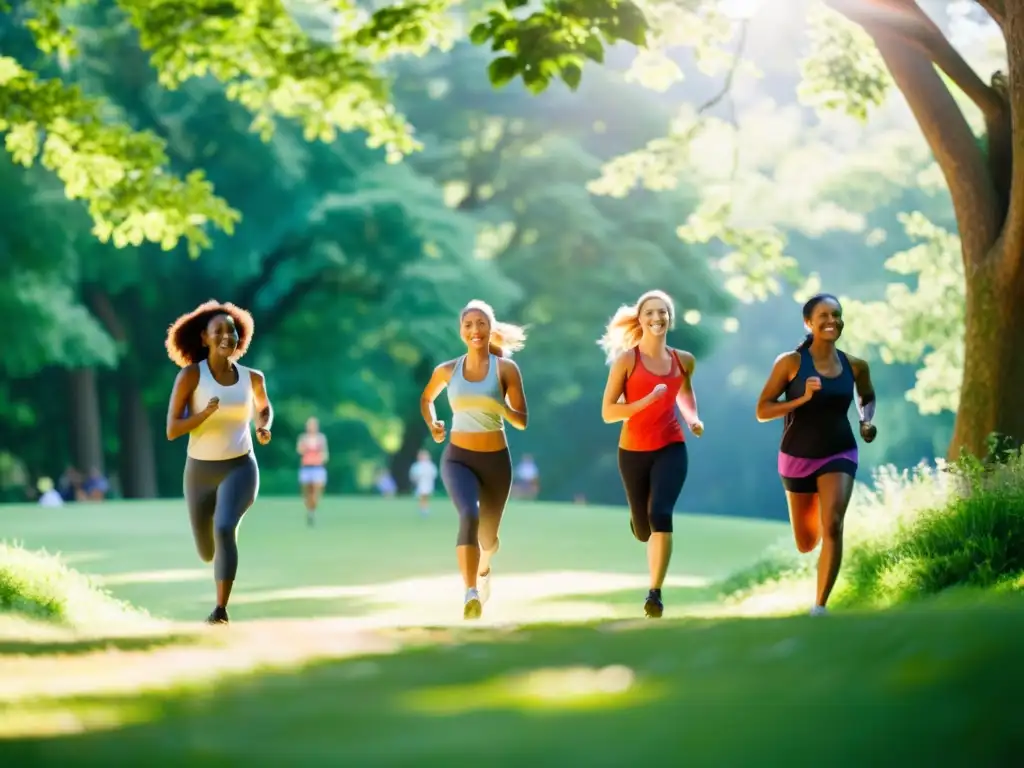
(913, 535)
(40, 585)
(932, 686)
(354, 562)
(348, 650)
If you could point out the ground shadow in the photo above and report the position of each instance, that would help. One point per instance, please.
(883, 688)
(73, 646)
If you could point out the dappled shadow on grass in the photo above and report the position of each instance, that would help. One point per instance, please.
(80, 645)
(306, 608)
(929, 686)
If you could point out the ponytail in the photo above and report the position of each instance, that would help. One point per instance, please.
(622, 334)
(806, 343)
(506, 339)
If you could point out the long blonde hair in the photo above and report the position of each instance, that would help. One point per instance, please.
(624, 330)
(505, 337)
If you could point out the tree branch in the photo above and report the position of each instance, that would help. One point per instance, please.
(999, 135)
(730, 75)
(996, 9)
(906, 18)
(954, 146)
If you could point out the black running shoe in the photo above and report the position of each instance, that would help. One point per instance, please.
(218, 616)
(653, 606)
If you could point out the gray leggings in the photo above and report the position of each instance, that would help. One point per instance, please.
(218, 493)
(478, 483)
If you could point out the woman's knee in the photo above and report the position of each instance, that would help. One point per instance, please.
(206, 550)
(806, 540)
(832, 524)
(224, 530)
(661, 519)
(641, 527)
(469, 527)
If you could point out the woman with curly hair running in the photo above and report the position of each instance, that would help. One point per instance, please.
(213, 401)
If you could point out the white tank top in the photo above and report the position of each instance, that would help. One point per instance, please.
(226, 434)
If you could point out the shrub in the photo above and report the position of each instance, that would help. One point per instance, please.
(914, 533)
(40, 585)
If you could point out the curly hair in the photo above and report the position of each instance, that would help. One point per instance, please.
(185, 335)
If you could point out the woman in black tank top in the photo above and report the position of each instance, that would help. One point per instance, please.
(818, 453)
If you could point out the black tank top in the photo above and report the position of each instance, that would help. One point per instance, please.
(821, 426)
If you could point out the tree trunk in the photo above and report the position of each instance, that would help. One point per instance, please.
(86, 428)
(137, 462)
(414, 433)
(993, 376)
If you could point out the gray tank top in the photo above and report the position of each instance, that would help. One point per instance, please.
(468, 416)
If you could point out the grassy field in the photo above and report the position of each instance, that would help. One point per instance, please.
(348, 650)
(370, 556)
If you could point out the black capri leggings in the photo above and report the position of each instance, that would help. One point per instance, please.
(653, 481)
(478, 483)
(218, 493)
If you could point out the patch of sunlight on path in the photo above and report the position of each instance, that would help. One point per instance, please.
(514, 592)
(200, 654)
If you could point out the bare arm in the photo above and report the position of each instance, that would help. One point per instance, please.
(783, 372)
(264, 411)
(516, 412)
(178, 423)
(865, 389)
(323, 447)
(438, 381)
(612, 408)
(686, 399)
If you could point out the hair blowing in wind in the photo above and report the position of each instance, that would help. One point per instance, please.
(624, 331)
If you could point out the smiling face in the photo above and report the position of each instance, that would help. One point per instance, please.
(826, 320)
(221, 336)
(475, 329)
(655, 317)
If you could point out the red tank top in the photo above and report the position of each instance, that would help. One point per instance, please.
(656, 425)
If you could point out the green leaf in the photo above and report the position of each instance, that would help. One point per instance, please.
(502, 70)
(632, 24)
(571, 74)
(480, 34)
(593, 49)
(535, 80)
(513, 4)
